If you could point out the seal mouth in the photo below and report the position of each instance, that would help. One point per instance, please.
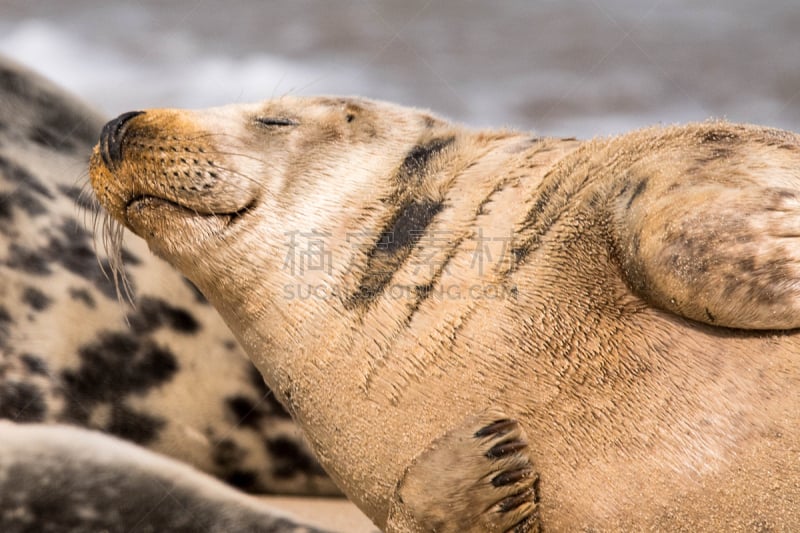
(145, 202)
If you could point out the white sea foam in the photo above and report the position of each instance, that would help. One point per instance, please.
(116, 81)
(564, 70)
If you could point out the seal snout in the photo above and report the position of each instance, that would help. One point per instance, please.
(112, 136)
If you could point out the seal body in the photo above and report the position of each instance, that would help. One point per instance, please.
(66, 478)
(483, 330)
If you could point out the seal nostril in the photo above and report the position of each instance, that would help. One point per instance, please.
(112, 136)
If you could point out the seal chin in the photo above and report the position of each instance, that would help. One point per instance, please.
(158, 219)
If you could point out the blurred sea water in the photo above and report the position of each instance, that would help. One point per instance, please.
(560, 67)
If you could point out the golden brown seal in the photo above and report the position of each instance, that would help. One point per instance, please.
(488, 331)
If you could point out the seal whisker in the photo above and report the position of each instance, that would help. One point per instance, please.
(113, 234)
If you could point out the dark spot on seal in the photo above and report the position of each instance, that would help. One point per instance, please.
(420, 156)
(129, 258)
(229, 345)
(429, 121)
(22, 198)
(257, 380)
(242, 479)
(718, 136)
(709, 316)
(153, 313)
(392, 248)
(5, 325)
(35, 364)
(82, 295)
(640, 187)
(132, 425)
(719, 143)
(226, 454)
(26, 260)
(6, 211)
(20, 177)
(246, 412)
(80, 198)
(35, 298)
(14, 82)
(28, 203)
(44, 135)
(73, 249)
(115, 365)
(746, 264)
(21, 402)
(268, 400)
(290, 459)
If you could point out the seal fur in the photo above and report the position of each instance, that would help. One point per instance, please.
(640, 329)
(65, 478)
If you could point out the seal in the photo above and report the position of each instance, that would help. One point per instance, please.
(159, 368)
(489, 331)
(66, 478)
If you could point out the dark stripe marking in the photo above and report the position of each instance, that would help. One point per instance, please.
(391, 249)
(423, 292)
(410, 219)
(640, 187)
(420, 156)
(551, 202)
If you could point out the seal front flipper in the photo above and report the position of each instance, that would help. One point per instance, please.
(478, 477)
(706, 224)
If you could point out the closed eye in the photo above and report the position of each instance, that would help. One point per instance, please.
(273, 121)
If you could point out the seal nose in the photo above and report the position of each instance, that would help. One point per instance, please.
(112, 136)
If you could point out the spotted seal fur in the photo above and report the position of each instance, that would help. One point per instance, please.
(488, 331)
(66, 478)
